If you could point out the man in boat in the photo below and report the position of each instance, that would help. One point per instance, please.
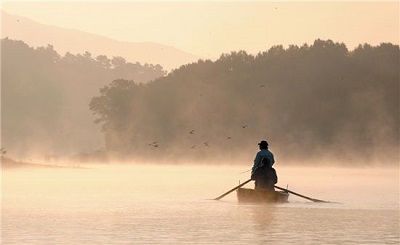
(262, 172)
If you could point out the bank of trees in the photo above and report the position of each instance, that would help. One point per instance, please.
(308, 101)
(45, 97)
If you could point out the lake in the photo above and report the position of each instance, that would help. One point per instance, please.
(169, 204)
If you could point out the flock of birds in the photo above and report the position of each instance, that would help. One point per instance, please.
(156, 144)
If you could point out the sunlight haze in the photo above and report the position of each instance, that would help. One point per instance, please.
(199, 122)
(210, 28)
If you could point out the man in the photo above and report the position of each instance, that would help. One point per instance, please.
(262, 171)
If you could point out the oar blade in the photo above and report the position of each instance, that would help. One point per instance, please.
(299, 195)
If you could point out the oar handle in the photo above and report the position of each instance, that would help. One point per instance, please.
(237, 187)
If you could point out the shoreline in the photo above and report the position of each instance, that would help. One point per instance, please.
(8, 163)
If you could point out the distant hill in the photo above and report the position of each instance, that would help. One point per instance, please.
(68, 40)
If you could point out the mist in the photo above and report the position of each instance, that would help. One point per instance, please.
(65, 40)
(321, 101)
(111, 142)
(45, 98)
(314, 104)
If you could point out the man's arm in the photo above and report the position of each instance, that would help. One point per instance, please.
(272, 160)
(257, 162)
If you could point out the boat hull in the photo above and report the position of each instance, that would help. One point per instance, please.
(255, 195)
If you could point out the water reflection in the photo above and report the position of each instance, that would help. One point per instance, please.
(263, 215)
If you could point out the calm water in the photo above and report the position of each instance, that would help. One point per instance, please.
(147, 204)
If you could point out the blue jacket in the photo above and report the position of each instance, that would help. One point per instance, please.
(263, 153)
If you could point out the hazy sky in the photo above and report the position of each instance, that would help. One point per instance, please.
(209, 28)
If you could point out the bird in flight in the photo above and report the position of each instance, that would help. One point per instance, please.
(154, 144)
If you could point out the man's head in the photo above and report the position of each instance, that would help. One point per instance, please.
(263, 144)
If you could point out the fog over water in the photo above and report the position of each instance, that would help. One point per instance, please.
(105, 141)
(335, 103)
(169, 204)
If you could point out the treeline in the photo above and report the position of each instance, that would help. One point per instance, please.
(45, 97)
(312, 102)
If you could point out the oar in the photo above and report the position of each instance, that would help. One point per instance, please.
(237, 187)
(297, 194)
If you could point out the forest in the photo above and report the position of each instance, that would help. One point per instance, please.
(313, 103)
(45, 97)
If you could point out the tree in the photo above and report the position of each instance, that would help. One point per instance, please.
(314, 98)
(113, 111)
(45, 96)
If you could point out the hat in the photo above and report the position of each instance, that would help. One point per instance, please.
(263, 143)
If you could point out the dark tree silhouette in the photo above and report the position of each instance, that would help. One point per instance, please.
(309, 100)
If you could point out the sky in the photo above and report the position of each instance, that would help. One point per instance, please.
(210, 28)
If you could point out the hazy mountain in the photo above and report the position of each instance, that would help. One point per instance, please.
(68, 40)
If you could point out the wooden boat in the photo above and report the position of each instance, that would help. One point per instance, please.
(257, 195)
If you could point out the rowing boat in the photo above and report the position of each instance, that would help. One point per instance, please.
(258, 195)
